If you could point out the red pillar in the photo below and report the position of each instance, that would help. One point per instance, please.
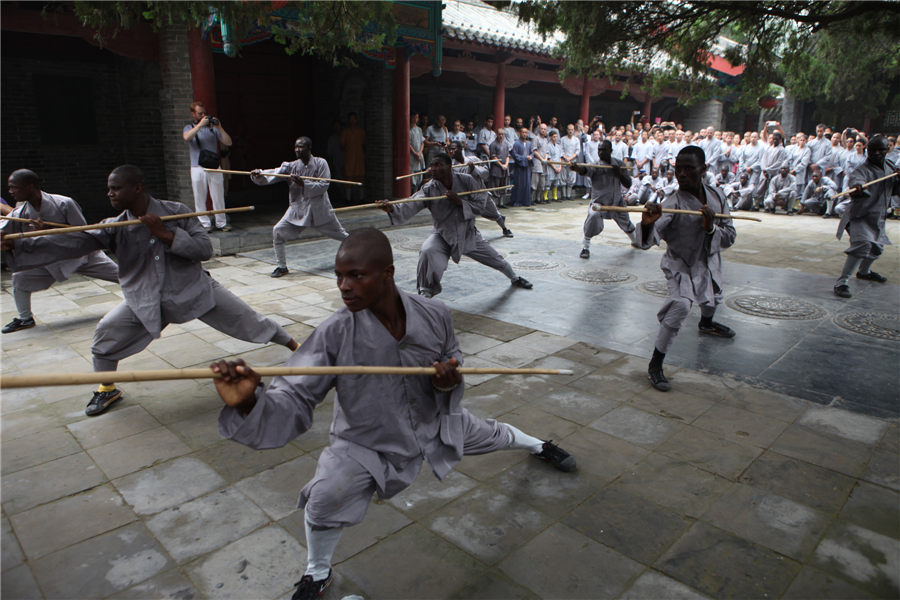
(648, 101)
(585, 107)
(401, 123)
(500, 95)
(203, 77)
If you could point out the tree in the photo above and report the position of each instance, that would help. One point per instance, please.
(332, 30)
(799, 44)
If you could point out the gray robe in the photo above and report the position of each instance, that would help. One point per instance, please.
(385, 423)
(692, 263)
(865, 219)
(58, 209)
(309, 204)
(606, 190)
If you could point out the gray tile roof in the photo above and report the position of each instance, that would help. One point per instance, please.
(476, 21)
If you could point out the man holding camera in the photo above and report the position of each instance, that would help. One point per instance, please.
(203, 136)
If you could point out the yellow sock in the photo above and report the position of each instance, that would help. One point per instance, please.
(545, 194)
(106, 388)
(554, 193)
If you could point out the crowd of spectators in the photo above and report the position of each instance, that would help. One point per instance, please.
(758, 170)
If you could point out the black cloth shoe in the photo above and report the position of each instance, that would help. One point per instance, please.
(507, 233)
(101, 401)
(871, 276)
(556, 456)
(717, 329)
(523, 283)
(585, 253)
(16, 324)
(842, 291)
(279, 271)
(658, 379)
(307, 589)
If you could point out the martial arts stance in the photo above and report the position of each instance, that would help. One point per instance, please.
(35, 204)
(480, 173)
(309, 203)
(383, 425)
(161, 275)
(864, 220)
(454, 232)
(606, 190)
(692, 263)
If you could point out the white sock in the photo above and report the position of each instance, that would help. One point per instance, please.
(520, 440)
(320, 545)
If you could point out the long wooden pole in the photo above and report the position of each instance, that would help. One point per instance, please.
(285, 176)
(33, 221)
(16, 236)
(406, 200)
(53, 379)
(567, 164)
(865, 185)
(675, 211)
(479, 162)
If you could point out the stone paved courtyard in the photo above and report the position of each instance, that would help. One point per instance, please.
(772, 469)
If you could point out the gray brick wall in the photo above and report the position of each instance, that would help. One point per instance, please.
(379, 134)
(175, 97)
(704, 115)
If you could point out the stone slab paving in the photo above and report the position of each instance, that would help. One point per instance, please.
(772, 469)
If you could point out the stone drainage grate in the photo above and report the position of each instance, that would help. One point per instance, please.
(600, 276)
(654, 288)
(776, 307)
(885, 326)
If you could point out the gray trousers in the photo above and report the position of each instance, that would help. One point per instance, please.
(491, 213)
(673, 314)
(435, 255)
(339, 493)
(121, 334)
(593, 225)
(285, 231)
(25, 282)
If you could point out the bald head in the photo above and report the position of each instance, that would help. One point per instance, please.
(23, 177)
(129, 174)
(370, 243)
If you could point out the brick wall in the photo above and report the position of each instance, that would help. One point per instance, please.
(120, 116)
(379, 132)
(174, 99)
(705, 114)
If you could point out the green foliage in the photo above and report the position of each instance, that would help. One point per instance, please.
(666, 44)
(333, 30)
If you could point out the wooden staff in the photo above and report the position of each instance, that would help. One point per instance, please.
(285, 176)
(479, 162)
(48, 379)
(566, 164)
(405, 200)
(865, 185)
(676, 211)
(68, 229)
(34, 221)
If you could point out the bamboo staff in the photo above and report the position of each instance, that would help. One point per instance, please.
(34, 221)
(865, 185)
(567, 164)
(479, 162)
(676, 211)
(67, 229)
(285, 176)
(405, 200)
(50, 379)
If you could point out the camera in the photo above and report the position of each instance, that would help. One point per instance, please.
(213, 121)
(636, 113)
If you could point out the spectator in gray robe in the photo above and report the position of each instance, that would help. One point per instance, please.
(416, 151)
(571, 146)
(800, 160)
(41, 207)
(751, 157)
(309, 205)
(383, 426)
(499, 169)
(782, 190)
(817, 195)
(607, 180)
(774, 156)
(740, 193)
(864, 221)
(454, 232)
(538, 174)
(161, 274)
(485, 138)
(692, 263)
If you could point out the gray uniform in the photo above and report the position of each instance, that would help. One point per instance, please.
(773, 157)
(751, 157)
(416, 137)
(865, 219)
(786, 188)
(382, 425)
(481, 174)
(606, 190)
(817, 197)
(454, 233)
(309, 204)
(800, 160)
(498, 176)
(692, 263)
(161, 284)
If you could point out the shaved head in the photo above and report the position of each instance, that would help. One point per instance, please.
(25, 177)
(129, 174)
(372, 243)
